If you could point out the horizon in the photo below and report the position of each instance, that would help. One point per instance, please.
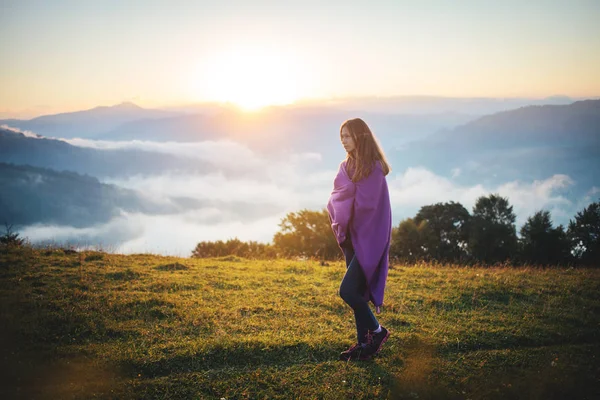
(308, 102)
(163, 55)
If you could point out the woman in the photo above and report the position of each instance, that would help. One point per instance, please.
(361, 219)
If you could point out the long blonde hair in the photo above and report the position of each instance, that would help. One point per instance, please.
(367, 151)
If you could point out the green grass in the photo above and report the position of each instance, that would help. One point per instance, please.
(96, 325)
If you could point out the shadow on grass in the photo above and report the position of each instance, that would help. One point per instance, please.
(536, 384)
(40, 374)
(238, 355)
(567, 371)
(503, 341)
(417, 379)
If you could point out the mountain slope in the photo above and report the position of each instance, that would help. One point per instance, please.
(17, 148)
(525, 144)
(287, 129)
(87, 123)
(39, 195)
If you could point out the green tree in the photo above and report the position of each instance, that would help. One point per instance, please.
(10, 238)
(233, 247)
(541, 243)
(410, 241)
(584, 234)
(448, 225)
(307, 233)
(493, 236)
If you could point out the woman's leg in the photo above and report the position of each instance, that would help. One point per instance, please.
(351, 290)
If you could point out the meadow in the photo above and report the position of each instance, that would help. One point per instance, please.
(99, 325)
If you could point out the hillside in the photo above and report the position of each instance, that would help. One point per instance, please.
(578, 122)
(280, 127)
(42, 152)
(525, 144)
(87, 123)
(33, 195)
(96, 325)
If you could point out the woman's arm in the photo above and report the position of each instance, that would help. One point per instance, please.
(341, 204)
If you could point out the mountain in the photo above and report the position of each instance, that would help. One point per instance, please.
(423, 105)
(558, 124)
(39, 195)
(280, 129)
(87, 123)
(409, 117)
(17, 148)
(528, 143)
(32, 195)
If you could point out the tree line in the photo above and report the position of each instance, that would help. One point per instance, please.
(443, 233)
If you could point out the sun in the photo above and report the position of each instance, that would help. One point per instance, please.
(250, 78)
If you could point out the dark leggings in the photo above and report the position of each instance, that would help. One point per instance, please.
(351, 290)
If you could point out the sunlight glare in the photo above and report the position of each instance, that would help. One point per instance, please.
(251, 78)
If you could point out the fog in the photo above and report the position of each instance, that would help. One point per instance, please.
(250, 204)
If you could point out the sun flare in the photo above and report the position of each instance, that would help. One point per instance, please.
(251, 78)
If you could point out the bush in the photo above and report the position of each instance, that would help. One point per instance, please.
(11, 238)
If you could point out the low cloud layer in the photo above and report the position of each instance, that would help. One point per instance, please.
(24, 132)
(416, 187)
(261, 206)
(158, 234)
(250, 204)
(219, 153)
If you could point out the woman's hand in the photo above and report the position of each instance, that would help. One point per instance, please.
(378, 309)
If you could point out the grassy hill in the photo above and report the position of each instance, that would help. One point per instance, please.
(96, 325)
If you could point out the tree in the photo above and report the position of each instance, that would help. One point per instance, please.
(543, 244)
(584, 234)
(307, 233)
(234, 247)
(493, 236)
(409, 241)
(11, 238)
(448, 225)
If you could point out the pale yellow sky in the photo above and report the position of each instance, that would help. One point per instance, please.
(67, 55)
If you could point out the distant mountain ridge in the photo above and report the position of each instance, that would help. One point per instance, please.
(404, 117)
(528, 143)
(39, 195)
(33, 195)
(87, 123)
(547, 122)
(42, 152)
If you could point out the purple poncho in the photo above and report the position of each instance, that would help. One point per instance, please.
(363, 208)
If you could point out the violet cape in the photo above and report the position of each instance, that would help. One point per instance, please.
(363, 209)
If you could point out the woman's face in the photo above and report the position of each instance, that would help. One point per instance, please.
(347, 140)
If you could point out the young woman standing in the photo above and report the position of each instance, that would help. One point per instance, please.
(361, 219)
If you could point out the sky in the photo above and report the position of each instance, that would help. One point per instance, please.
(71, 55)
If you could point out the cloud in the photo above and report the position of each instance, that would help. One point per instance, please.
(211, 206)
(417, 187)
(174, 235)
(178, 235)
(285, 181)
(218, 189)
(25, 133)
(250, 202)
(592, 192)
(107, 236)
(219, 153)
(306, 157)
(527, 198)
(232, 157)
(252, 209)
